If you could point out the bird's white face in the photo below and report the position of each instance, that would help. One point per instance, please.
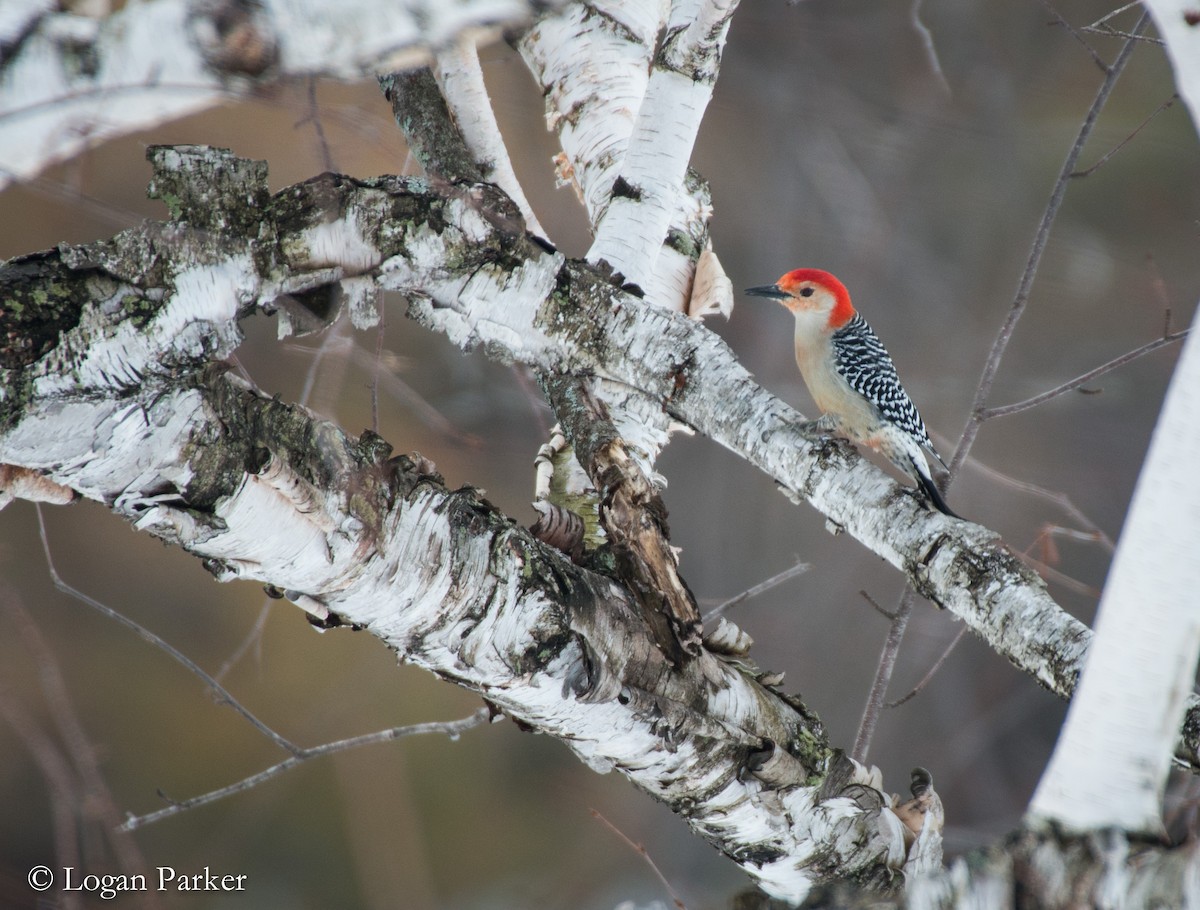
(808, 295)
(816, 297)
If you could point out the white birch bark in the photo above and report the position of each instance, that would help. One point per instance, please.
(461, 80)
(1178, 23)
(1110, 766)
(632, 232)
(73, 81)
(115, 402)
(112, 399)
(516, 311)
(632, 110)
(593, 62)
(628, 105)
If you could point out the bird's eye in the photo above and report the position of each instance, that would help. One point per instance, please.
(807, 292)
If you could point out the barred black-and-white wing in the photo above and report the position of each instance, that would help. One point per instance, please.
(865, 364)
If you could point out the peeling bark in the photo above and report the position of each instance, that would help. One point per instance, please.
(113, 388)
(459, 255)
(264, 491)
(633, 515)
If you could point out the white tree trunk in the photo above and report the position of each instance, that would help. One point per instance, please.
(1110, 765)
(1178, 24)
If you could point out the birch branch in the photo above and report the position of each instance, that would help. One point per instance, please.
(112, 387)
(633, 232)
(69, 82)
(123, 400)
(508, 294)
(592, 107)
(611, 114)
(461, 79)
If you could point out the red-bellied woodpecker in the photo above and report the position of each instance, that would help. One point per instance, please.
(851, 377)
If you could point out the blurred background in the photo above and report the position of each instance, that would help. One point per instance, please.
(833, 141)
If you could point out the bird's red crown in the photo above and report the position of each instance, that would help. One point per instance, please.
(843, 310)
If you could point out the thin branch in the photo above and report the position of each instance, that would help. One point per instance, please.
(334, 340)
(1113, 13)
(313, 116)
(1052, 574)
(80, 782)
(63, 789)
(1101, 26)
(1010, 409)
(102, 210)
(452, 728)
(883, 677)
(641, 850)
(149, 637)
(761, 588)
(1047, 549)
(992, 364)
(879, 608)
(1056, 496)
(1111, 32)
(1087, 172)
(937, 665)
(104, 95)
(1076, 34)
(389, 381)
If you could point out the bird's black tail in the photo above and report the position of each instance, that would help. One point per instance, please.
(929, 488)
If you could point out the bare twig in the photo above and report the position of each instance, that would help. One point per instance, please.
(146, 635)
(108, 212)
(1016, 408)
(644, 853)
(1087, 172)
(937, 665)
(390, 383)
(883, 676)
(761, 588)
(313, 116)
(333, 341)
(452, 728)
(1044, 542)
(73, 770)
(1052, 574)
(891, 617)
(1076, 34)
(61, 785)
(992, 364)
(1101, 26)
(1057, 497)
(1113, 13)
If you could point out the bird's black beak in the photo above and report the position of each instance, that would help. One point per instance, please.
(766, 290)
